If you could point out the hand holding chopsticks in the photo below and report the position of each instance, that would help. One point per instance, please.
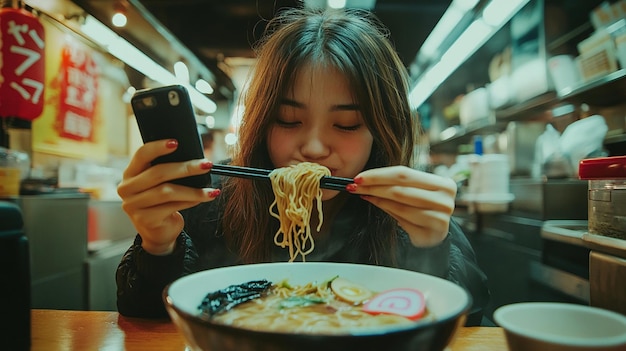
(332, 183)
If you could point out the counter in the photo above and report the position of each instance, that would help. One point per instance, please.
(600, 262)
(60, 330)
(512, 242)
(56, 227)
(607, 272)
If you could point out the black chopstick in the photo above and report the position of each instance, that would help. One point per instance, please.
(331, 183)
(335, 183)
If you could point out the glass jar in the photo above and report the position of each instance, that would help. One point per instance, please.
(14, 167)
(607, 195)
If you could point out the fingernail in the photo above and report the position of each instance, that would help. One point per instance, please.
(351, 188)
(215, 193)
(358, 180)
(171, 144)
(206, 165)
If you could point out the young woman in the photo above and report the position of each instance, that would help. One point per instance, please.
(328, 88)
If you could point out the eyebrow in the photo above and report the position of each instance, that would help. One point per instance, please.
(340, 107)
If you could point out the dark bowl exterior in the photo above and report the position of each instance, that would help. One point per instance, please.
(206, 336)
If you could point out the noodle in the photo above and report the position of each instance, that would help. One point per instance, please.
(295, 188)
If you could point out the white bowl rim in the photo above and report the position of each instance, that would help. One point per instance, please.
(500, 319)
(463, 310)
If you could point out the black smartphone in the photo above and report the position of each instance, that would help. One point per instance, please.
(166, 113)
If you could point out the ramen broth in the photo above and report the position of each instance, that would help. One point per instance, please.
(309, 309)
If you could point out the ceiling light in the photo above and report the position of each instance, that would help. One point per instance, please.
(446, 24)
(204, 87)
(498, 12)
(495, 15)
(181, 71)
(471, 39)
(363, 4)
(209, 121)
(119, 17)
(468, 42)
(450, 19)
(336, 4)
(128, 94)
(230, 139)
(133, 57)
(465, 5)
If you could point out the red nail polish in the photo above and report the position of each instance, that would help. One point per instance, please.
(351, 187)
(206, 165)
(358, 180)
(215, 193)
(171, 144)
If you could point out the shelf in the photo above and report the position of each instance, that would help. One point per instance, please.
(503, 116)
(603, 91)
(615, 139)
(535, 105)
(583, 30)
(451, 144)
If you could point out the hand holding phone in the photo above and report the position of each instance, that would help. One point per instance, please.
(166, 113)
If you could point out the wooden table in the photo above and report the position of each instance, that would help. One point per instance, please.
(56, 330)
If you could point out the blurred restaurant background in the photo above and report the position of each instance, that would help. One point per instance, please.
(511, 96)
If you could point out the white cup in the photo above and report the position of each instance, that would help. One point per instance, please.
(493, 174)
(564, 72)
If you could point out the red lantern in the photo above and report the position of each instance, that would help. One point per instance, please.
(22, 64)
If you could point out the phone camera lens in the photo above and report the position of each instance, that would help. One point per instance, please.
(173, 98)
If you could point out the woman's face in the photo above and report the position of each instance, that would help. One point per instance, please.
(319, 121)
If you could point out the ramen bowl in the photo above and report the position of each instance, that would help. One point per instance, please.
(555, 326)
(447, 305)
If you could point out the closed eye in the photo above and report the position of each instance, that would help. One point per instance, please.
(349, 128)
(348, 108)
(286, 124)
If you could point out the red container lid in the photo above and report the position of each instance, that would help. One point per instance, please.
(602, 168)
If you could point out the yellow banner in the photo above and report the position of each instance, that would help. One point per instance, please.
(49, 131)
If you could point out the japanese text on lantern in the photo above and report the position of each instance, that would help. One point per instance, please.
(22, 66)
(79, 83)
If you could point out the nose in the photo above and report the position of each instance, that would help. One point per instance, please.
(314, 145)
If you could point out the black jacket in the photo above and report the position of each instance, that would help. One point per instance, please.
(141, 277)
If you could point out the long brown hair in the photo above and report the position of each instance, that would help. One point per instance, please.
(356, 44)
